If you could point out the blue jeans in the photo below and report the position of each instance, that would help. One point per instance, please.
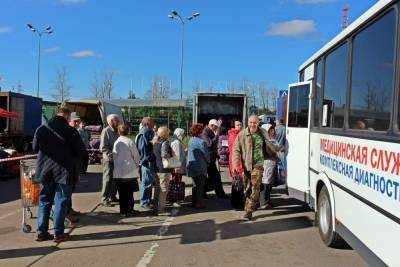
(60, 195)
(146, 186)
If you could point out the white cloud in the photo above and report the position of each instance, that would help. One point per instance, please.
(314, 2)
(83, 53)
(293, 28)
(52, 49)
(6, 29)
(71, 2)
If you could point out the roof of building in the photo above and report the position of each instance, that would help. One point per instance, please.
(135, 103)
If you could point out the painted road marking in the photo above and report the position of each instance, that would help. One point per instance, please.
(149, 254)
(9, 214)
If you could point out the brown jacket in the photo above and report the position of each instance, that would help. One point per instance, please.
(243, 149)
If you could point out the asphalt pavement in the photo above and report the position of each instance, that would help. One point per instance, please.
(216, 236)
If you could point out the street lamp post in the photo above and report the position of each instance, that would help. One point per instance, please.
(175, 15)
(47, 30)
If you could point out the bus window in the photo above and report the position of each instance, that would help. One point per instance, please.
(372, 75)
(317, 94)
(335, 86)
(298, 106)
(301, 76)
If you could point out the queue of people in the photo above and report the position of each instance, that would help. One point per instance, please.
(152, 160)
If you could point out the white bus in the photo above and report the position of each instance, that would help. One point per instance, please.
(344, 115)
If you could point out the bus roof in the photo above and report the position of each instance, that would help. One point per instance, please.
(343, 34)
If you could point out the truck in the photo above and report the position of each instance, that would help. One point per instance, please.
(94, 111)
(207, 106)
(17, 132)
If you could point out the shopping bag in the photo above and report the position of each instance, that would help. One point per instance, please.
(176, 191)
(237, 182)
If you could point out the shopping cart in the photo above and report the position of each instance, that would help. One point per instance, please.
(30, 188)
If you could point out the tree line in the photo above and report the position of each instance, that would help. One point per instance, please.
(102, 86)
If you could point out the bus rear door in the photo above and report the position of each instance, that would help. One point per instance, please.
(298, 140)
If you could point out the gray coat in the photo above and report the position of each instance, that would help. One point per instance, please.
(107, 140)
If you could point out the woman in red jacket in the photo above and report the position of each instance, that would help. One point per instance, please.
(232, 134)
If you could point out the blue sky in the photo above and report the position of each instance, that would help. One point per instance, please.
(259, 40)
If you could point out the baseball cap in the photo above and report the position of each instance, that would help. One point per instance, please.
(75, 116)
(214, 122)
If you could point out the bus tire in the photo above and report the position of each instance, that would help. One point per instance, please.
(325, 221)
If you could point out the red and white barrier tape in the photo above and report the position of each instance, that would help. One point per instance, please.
(18, 158)
(34, 156)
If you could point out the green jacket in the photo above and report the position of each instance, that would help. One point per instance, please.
(243, 149)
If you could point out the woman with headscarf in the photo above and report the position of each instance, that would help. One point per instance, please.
(179, 153)
(269, 170)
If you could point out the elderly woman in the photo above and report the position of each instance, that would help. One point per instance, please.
(126, 169)
(179, 152)
(269, 171)
(197, 164)
(162, 151)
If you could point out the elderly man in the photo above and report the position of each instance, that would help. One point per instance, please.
(211, 137)
(250, 150)
(107, 139)
(144, 143)
(58, 145)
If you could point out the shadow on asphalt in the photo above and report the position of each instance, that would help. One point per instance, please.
(206, 230)
(10, 188)
(200, 231)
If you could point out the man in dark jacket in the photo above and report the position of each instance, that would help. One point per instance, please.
(214, 177)
(147, 161)
(57, 144)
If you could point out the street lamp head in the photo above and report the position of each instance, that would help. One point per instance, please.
(48, 28)
(196, 14)
(171, 16)
(31, 27)
(190, 18)
(50, 31)
(174, 12)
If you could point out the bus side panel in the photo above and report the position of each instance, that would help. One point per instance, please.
(377, 232)
(366, 190)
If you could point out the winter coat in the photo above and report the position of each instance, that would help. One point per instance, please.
(126, 159)
(58, 146)
(198, 157)
(232, 135)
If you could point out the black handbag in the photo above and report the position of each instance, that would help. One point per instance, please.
(237, 182)
(135, 185)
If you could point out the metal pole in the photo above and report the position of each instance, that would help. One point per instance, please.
(182, 39)
(38, 74)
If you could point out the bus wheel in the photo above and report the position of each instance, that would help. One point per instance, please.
(325, 221)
